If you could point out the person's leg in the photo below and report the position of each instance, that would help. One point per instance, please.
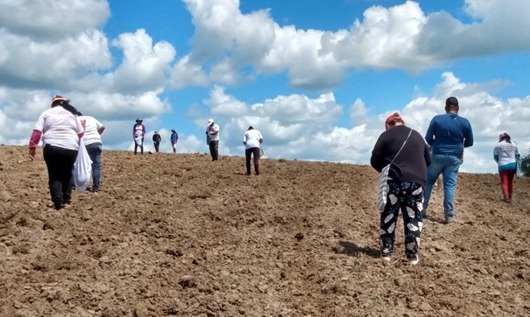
(411, 208)
(142, 146)
(433, 171)
(68, 159)
(174, 147)
(388, 221)
(53, 164)
(511, 175)
(215, 150)
(450, 174)
(503, 175)
(248, 153)
(212, 149)
(156, 147)
(94, 151)
(135, 147)
(255, 153)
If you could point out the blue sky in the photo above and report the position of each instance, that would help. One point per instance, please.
(318, 78)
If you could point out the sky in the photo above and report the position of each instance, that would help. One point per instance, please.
(317, 78)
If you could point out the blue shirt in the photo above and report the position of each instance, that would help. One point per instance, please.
(449, 134)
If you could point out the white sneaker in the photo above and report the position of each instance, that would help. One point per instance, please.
(414, 260)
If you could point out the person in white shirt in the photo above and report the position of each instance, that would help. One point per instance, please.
(506, 154)
(60, 131)
(212, 139)
(252, 141)
(94, 147)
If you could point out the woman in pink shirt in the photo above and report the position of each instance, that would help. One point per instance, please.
(59, 130)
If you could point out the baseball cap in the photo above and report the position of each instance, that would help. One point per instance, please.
(210, 121)
(392, 117)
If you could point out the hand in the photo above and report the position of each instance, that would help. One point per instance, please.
(32, 153)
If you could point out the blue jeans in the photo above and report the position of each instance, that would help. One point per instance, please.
(94, 151)
(448, 166)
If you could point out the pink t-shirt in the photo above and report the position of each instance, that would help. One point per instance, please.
(59, 128)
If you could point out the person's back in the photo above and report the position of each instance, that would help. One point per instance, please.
(448, 134)
(92, 128)
(252, 138)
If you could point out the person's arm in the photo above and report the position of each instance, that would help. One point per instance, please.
(143, 130)
(101, 129)
(376, 160)
(468, 141)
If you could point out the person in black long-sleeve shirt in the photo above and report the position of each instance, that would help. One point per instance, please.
(408, 173)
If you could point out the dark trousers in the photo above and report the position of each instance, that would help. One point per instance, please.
(157, 146)
(252, 152)
(407, 197)
(136, 145)
(214, 150)
(60, 163)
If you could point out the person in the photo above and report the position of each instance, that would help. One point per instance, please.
(138, 135)
(156, 141)
(506, 154)
(94, 147)
(406, 149)
(448, 134)
(252, 141)
(60, 131)
(212, 139)
(174, 140)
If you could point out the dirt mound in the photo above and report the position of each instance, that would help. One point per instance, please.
(180, 235)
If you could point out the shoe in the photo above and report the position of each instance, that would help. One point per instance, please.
(448, 220)
(413, 260)
(386, 258)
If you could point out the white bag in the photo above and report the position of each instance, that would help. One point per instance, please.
(383, 188)
(82, 168)
(138, 140)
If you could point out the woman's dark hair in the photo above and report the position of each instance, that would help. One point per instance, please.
(72, 109)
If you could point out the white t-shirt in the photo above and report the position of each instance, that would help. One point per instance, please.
(251, 138)
(59, 128)
(92, 126)
(506, 152)
(213, 127)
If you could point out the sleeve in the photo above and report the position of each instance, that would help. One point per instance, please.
(34, 139)
(377, 160)
(429, 136)
(468, 141)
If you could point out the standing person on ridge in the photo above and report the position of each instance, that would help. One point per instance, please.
(409, 155)
(252, 141)
(506, 154)
(448, 134)
(138, 135)
(94, 147)
(60, 130)
(156, 141)
(174, 140)
(212, 138)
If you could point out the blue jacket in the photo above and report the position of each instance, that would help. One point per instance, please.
(449, 134)
(174, 137)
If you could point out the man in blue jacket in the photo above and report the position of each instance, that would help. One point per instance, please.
(448, 134)
(174, 140)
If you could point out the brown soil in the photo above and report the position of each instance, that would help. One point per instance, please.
(180, 235)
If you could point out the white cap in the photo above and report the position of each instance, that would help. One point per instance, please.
(210, 121)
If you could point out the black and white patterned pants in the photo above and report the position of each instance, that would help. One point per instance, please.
(407, 197)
